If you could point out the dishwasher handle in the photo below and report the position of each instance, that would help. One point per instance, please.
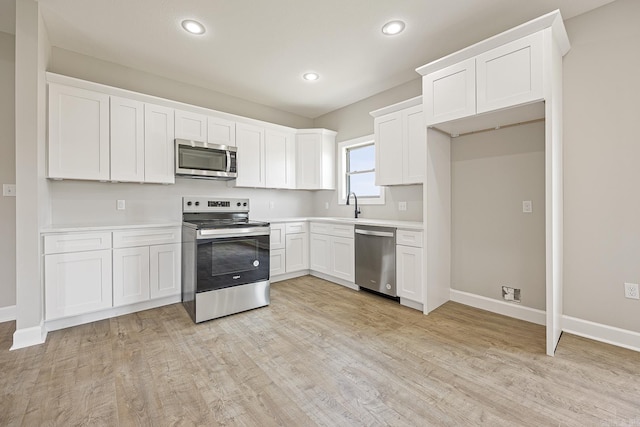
(374, 233)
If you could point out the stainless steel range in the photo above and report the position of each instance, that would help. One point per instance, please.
(225, 258)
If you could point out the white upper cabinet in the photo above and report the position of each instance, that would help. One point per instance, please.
(221, 131)
(158, 142)
(450, 93)
(503, 77)
(250, 155)
(400, 138)
(280, 159)
(315, 159)
(192, 126)
(78, 133)
(510, 74)
(127, 139)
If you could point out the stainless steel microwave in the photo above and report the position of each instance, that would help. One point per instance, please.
(197, 159)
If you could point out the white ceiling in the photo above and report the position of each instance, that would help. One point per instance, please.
(258, 49)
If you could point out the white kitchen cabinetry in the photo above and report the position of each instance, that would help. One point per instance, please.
(192, 126)
(78, 133)
(127, 139)
(401, 141)
(315, 159)
(280, 159)
(221, 131)
(165, 264)
(289, 248)
(159, 134)
(77, 274)
(409, 274)
(130, 275)
(250, 155)
(277, 240)
(332, 251)
(502, 77)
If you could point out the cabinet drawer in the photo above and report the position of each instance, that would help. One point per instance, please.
(76, 242)
(296, 227)
(340, 230)
(409, 238)
(153, 236)
(320, 227)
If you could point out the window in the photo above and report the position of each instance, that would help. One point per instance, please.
(357, 171)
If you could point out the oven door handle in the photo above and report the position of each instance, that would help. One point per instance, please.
(236, 232)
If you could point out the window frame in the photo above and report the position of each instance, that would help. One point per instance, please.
(343, 148)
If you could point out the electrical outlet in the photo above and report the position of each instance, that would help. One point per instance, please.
(510, 294)
(631, 291)
(120, 205)
(326, 205)
(272, 205)
(402, 206)
(9, 190)
(527, 206)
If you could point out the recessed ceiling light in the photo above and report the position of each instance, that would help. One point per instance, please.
(310, 76)
(194, 27)
(392, 28)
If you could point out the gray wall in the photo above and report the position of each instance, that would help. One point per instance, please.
(7, 171)
(493, 243)
(601, 158)
(354, 121)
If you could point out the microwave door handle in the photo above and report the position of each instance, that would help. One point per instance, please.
(228, 161)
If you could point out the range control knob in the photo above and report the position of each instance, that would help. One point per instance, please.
(189, 203)
(238, 204)
(244, 204)
(197, 203)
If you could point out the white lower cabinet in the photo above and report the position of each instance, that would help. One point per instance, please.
(277, 262)
(409, 272)
(289, 247)
(297, 257)
(332, 250)
(85, 272)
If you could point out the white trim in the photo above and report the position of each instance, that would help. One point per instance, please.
(335, 280)
(54, 325)
(527, 314)
(603, 333)
(287, 276)
(411, 304)
(342, 148)
(27, 337)
(7, 313)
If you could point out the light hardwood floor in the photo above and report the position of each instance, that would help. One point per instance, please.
(320, 354)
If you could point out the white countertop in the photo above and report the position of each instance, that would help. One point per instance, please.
(67, 228)
(407, 225)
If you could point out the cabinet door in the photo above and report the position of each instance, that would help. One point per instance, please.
(319, 253)
(221, 131)
(130, 275)
(280, 159)
(277, 238)
(277, 262)
(191, 126)
(450, 93)
(297, 257)
(342, 250)
(127, 140)
(165, 270)
(308, 161)
(388, 141)
(77, 283)
(415, 145)
(409, 272)
(78, 133)
(159, 134)
(250, 156)
(510, 74)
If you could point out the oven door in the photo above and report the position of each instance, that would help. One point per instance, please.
(201, 159)
(231, 261)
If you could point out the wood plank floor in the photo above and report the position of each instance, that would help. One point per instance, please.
(320, 354)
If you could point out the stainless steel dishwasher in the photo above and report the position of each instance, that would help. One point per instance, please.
(376, 258)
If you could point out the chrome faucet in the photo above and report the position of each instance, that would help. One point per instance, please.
(357, 211)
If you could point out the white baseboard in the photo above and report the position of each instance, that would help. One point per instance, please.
(599, 332)
(335, 280)
(7, 314)
(500, 307)
(54, 325)
(287, 276)
(27, 337)
(411, 304)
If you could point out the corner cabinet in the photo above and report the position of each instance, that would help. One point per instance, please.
(315, 159)
(502, 77)
(400, 137)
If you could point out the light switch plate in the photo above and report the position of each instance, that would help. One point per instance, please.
(9, 190)
(527, 206)
(402, 206)
(120, 205)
